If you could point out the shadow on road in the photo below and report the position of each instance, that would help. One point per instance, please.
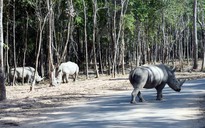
(182, 110)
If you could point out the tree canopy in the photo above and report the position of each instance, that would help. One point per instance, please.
(126, 33)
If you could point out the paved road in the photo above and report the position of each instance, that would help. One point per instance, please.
(177, 110)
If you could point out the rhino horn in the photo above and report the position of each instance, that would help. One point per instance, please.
(181, 83)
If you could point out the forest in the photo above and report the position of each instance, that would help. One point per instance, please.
(102, 36)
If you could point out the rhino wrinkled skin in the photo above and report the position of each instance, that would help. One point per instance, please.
(65, 69)
(153, 76)
(28, 74)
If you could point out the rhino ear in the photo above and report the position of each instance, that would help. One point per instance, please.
(173, 69)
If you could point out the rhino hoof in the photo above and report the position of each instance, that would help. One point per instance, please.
(160, 99)
(133, 102)
(141, 100)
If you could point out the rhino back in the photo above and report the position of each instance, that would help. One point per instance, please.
(69, 68)
(148, 76)
(157, 74)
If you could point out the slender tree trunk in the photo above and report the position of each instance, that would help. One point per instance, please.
(7, 49)
(139, 52)
(203, 45)
(69, 30)
(94, 35)
(2, 76)
(123, 35)
(41, 27)
(85, 38)
(187, 43)
(67, 40)
(99, 53)
(14, 42)
(25, 46)
(123, 51)
(195, 40)
(50, 44)
(163, 39)
(202, 24)
(118, 34)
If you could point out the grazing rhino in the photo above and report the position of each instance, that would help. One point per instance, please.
(153, 76)
(65, 69)
(28, 74)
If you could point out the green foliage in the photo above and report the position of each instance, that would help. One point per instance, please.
(79, 20)
(130, 22)
(146, 13)
(29, 3)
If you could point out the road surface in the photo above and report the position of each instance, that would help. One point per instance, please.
(177, 110)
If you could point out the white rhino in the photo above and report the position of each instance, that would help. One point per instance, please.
(28, 74)
(65, 69)
(153, 76)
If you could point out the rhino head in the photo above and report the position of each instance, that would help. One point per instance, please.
(173, 82)
(38, 78)
(55, 80)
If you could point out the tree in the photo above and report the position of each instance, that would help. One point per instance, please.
(50, 42)
(14, 40)
(85, 38)
(195, 40)
(2, 77)
(95, 7)
(42, 23)
(202, 25)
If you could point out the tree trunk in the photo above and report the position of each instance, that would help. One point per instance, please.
(187, 42)
(202, 24)
(25, 46)
(50, 44)
(69, 30)
(2, 77)
(85, 38)
(139, 51)
(94, 35)
(41, 27)
(123, 51)
(118, 34)
(195, 40)
(99, 53)
(163, 39)
(7, 49)
(14, 42)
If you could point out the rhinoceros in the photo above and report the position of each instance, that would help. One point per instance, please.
(28, 74)
(153, 76)
(65, 69)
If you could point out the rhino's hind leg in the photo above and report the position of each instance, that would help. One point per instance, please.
(75, 76)
(136, 92)
(141, 99)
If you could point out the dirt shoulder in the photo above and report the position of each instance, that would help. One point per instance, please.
(22, 105)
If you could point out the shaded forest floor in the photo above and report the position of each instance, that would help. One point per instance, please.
(22, 105)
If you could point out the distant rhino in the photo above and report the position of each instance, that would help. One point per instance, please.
(28, 74)
(153, 76)
(65, 69)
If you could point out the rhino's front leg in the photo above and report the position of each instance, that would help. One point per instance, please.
(67, 76)
(159, 89)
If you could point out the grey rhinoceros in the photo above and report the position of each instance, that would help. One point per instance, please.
(153, 76)
(65, 69)
(27, 74)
